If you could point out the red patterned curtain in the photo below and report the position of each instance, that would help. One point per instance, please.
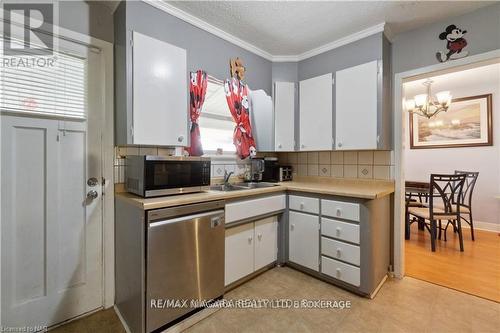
(197, 91)
(237, 100)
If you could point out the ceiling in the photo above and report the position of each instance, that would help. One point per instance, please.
(291, 28)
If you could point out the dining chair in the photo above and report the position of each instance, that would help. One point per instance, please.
(448, 189)
(466, 208)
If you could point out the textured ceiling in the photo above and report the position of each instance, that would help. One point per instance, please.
(294, 27)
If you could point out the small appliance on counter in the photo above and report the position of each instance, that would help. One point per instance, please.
(274, 172)
(152, 176)
(256, 170)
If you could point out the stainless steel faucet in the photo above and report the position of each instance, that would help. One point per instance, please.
(227, 175)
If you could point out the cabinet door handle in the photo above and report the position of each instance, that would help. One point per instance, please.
(340, 144)
(338, 229)
(339, 212)
(180, 138)
(292, 227)
(338, 270)
(259, 236)
(279, 145)
(302, 146)
(250, 239)
(339, 252)
(301, 205)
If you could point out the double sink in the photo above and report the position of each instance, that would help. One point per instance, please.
(240, 186)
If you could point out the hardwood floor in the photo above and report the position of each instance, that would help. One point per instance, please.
(475, 271)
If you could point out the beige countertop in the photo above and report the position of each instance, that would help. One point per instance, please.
(354, 188)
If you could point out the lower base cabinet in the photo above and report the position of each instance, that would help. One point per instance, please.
(303, 240)
(250, 247)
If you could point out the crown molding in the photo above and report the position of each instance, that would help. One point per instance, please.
(343, 41)
(180, 14)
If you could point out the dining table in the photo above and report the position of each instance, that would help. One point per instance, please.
(417, 193)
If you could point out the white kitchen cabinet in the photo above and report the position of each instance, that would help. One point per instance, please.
(246, 209)
(303, 240)
(239, 253)
(284, 116)
(356, 111)
(315, 109)
(266, 241)
(160, 87)
(261, 113)
(250, 247)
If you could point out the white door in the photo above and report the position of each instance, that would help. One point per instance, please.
(239, 255)
(284, 116)
(51, 228)
(303, 240)
(315, 108)
(266, 241)
(356, 107)
(160, 90)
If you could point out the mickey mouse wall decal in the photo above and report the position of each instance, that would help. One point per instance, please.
(455, 43)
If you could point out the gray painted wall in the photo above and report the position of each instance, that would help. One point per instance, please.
(91, 18)
(417, 48)
(359, 52)
(285, 71)
(204, 50)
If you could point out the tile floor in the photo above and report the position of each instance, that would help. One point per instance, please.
(407, 305)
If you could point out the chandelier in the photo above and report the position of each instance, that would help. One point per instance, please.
(424, 106)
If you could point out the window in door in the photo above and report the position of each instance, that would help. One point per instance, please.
(216, 123)
(55, 91)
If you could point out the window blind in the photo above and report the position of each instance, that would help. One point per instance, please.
(58, 90)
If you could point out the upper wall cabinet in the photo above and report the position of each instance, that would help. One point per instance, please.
(357, 107)
(261, 113)
(160, 110)
(315, 109)
(284, 116)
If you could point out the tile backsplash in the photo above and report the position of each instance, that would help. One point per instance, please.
(341, 164)
(337, 164)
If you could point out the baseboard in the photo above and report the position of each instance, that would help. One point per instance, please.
(124, 324)
(485, 226)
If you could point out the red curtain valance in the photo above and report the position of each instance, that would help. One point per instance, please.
(197, 91)
(237, 100)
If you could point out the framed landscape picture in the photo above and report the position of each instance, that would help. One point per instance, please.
(467, 123)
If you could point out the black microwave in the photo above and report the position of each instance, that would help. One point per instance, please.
(153, 176)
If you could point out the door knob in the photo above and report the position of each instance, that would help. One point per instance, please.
(91, 195)
(92, 182)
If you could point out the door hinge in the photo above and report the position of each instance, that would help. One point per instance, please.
(333, 81)
(131, 42)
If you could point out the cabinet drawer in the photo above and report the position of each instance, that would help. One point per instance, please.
(249, 208)
(303, 204)
(340, 230)
(341, 271)
(340, 250)
(340, 209)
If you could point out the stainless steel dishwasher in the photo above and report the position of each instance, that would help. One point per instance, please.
(185, 260)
